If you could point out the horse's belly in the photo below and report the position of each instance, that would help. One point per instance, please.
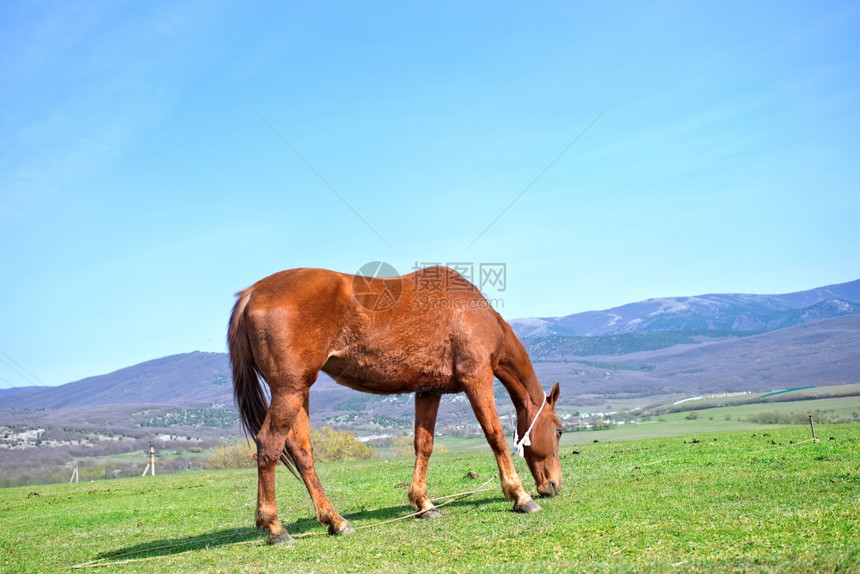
(391, 374)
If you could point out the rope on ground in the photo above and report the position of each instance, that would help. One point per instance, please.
(448, 500)
(101, 562)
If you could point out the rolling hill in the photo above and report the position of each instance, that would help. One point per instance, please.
(719, 312)
(819, 353)
(639, 356)
(196, 379)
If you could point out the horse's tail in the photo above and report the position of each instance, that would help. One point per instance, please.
(248, 392)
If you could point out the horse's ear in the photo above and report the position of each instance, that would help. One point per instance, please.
(553, 395)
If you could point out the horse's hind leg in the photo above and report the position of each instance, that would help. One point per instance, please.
(270, 443)
(301, 450)
(426, 408)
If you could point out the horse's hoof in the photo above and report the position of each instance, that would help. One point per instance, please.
(282, 538)
(342, 531)
(432, 513)
(528, 507)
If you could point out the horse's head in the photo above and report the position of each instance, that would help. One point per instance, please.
(542, 455)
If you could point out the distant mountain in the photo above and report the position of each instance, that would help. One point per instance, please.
(717, 312)
(653, 360)
(590, 370)
(18, 390)
(820, 353)
(196, 379)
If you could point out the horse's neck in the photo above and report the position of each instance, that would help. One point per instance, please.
(519, 377)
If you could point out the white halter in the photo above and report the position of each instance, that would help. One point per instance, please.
(519, 445)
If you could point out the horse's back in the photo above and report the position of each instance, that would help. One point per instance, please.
(298, 284)
(438, 327)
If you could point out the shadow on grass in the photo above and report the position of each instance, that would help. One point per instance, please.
(362, 519)
(220, 538)
(171, 546)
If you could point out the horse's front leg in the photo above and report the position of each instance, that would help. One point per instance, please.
(479, 390)
(426, 408)
(300, 449)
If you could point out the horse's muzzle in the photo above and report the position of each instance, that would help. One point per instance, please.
(549, 489)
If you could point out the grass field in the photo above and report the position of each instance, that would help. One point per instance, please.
(709, 420)
(709, 502)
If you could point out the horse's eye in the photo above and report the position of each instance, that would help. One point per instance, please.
(559, 432)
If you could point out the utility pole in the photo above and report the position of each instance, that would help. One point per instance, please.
(74, 475)
(152, 451)
(812, 426)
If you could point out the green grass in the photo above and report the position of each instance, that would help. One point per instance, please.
(721, 502)
(708, 420)
(716, 419)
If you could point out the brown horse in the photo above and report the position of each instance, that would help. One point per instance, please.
(430, 332)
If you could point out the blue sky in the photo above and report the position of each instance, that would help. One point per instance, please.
(146, 169)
